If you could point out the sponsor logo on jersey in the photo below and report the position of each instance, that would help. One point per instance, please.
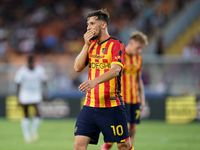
(93, 65)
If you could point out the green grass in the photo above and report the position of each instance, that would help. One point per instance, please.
(58, 135)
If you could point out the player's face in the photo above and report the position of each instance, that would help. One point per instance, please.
(95, 25)
(30, 65)
(135, 47)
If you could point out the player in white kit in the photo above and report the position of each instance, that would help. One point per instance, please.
(31, 81)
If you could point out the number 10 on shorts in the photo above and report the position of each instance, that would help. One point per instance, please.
(117, 130)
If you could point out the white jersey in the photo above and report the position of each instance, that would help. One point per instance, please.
(31, 84)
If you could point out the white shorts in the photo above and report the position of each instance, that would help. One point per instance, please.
(29, 101)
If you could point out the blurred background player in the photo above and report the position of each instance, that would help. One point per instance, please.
(132, 84)
(31, 81)
(103, 104)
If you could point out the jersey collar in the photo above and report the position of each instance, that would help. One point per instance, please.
(103, 41)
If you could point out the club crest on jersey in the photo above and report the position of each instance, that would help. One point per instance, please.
(103, 50)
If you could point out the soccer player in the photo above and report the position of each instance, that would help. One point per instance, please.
(103, 110)
(132, 84)
(30, 81)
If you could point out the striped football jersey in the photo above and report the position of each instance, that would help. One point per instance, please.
(100, 57)
(132, 69)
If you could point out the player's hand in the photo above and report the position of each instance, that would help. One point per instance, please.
(87, 36)
(86, 86)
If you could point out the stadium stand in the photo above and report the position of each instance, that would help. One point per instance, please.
(53, 30)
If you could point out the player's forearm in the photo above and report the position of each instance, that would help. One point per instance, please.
(113, 72)
(45, 93)
(141, 90)
(18, 87)
(90, 84)
(44, 84)
(80, 60)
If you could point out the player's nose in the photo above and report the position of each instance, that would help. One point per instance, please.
(88, 28)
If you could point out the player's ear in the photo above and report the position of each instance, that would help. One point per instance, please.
(103, 25)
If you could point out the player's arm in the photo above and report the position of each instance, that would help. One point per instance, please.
(80, 61)
(113, 72)
(18, 88)
(45, 92)
(141, 91)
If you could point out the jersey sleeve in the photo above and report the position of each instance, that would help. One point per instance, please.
(19, 76)
(118, 52)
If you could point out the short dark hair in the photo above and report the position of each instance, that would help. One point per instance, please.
(102, 14)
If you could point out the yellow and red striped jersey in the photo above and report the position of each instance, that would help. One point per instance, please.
(132, 68)
(100, 57)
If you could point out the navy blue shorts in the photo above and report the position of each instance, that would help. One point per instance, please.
(112, 122)
(133, 113)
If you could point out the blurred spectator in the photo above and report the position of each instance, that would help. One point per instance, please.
(3, 42)
(51, 24)
(62, 81)
(26, 45)
(145, 78)
(192, 49)
(160, 87)
(160, 44)
(3, 49)
(49, 27)
(187, 51)
(164, 84)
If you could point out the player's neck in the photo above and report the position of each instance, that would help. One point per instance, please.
(30, 67)
(103, 37)
(129, 53)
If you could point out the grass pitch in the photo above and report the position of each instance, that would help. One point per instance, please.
(58, 135)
